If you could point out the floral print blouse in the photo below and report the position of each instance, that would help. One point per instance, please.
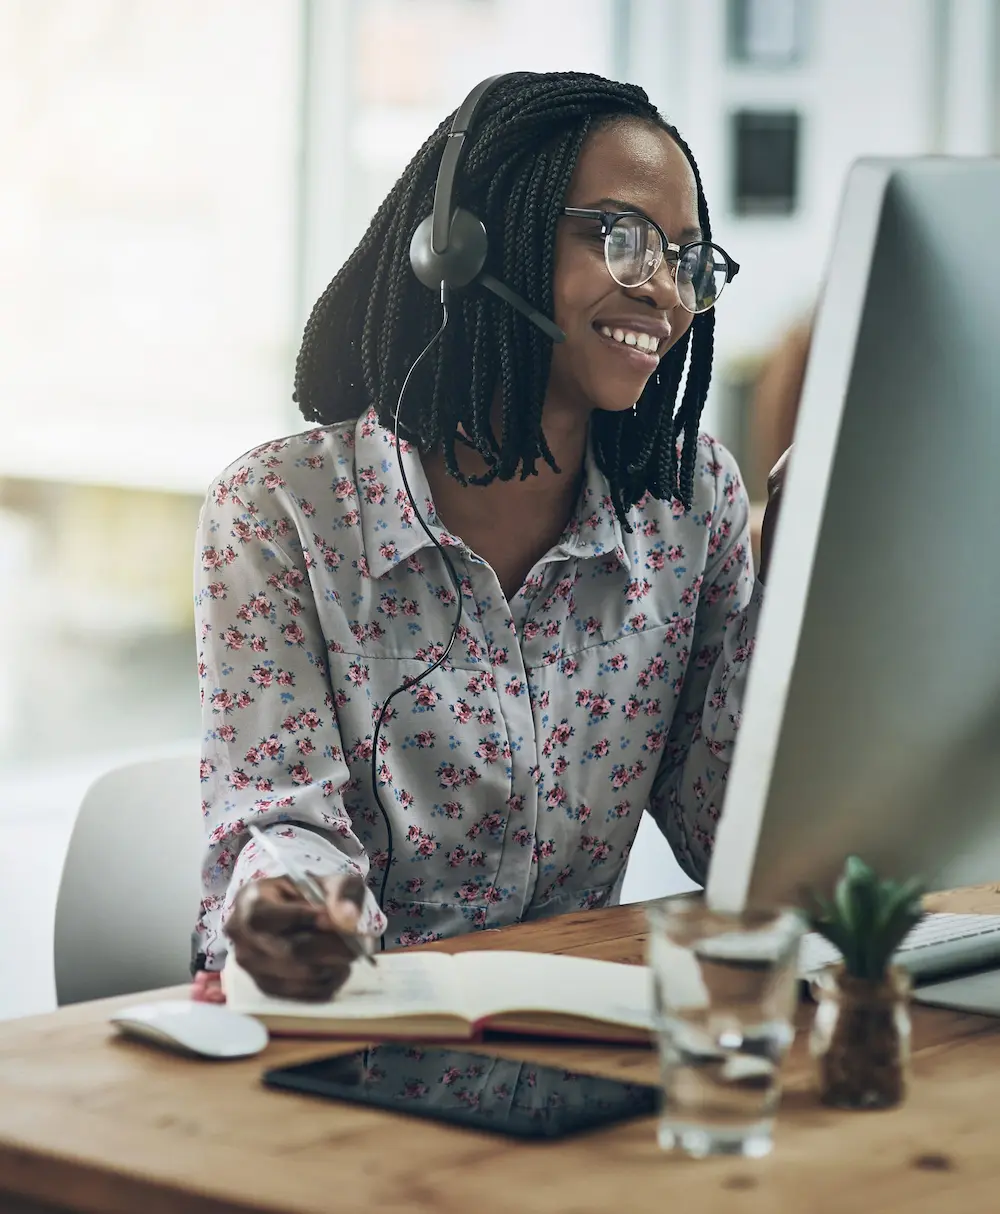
(515, 776)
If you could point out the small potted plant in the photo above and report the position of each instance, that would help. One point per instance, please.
(861, 1032)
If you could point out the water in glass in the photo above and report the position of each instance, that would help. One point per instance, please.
(725, 989)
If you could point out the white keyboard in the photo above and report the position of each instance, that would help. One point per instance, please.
(939, 946)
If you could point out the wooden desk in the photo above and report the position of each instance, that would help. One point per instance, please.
(92, 1122)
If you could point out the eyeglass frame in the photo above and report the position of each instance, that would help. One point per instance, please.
(608, 219)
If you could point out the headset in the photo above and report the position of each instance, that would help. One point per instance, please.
(447, 252)
(449, 248)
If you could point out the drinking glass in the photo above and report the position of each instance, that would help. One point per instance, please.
(725, 989)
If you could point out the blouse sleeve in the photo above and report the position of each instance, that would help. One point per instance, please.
(687, 795)
(271, 747)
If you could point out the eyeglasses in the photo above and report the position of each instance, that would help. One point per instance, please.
(634, 249)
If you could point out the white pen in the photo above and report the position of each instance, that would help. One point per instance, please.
(309, 888)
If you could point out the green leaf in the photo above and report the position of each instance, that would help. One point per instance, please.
(858, 872)
(837, 935)
(900, 912)
(854, 901)
(865, 914)
(867, 919)
(899, 925)
(899, 899)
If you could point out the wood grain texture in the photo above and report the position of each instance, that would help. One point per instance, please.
(89, 1121)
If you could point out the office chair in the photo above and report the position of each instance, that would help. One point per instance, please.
(651, 871)
(130, 886)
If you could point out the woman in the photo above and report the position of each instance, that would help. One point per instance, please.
(601, 545)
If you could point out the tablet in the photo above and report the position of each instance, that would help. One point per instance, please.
(471, 1090)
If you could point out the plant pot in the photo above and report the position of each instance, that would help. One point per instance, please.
(861, 1039)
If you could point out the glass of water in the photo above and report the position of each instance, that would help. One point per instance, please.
(725, 993)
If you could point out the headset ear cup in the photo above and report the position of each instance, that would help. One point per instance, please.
(463, 259)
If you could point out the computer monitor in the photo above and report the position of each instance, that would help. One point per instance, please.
(871, 719)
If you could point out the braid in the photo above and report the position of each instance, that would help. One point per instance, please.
(688, 416)
(372, 321)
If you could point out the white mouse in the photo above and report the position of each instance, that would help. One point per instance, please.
(205, 1029)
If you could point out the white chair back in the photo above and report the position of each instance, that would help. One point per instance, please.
(651, 871)
(130, 886)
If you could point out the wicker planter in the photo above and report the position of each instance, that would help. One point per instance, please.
(861, 1039)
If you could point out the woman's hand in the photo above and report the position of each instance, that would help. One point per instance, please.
(290, 948)
(775, 484)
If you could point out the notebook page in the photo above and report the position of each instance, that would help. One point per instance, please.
(495, 982)
(400, 984)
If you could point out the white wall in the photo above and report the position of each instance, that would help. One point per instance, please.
(148, 195)
(881, 78)
(410, 72)
(154, 272)
(970, 93)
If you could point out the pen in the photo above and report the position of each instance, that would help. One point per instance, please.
(308, 887)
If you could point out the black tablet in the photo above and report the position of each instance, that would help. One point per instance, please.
(480, 1091)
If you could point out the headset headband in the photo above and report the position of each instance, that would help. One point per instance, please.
(445, 187)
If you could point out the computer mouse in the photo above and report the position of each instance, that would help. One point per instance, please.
(206, 1030)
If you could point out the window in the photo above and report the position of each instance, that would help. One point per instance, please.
(765, 159)
(767, 33)
(146, 299)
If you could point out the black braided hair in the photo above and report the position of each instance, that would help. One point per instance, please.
(372, 321)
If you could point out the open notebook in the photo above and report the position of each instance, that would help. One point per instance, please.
(444, 997)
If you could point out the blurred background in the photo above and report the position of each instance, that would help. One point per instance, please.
(179, 180)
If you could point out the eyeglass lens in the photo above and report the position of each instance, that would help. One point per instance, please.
(633, 250)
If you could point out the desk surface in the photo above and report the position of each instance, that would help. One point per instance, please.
(94, 1122)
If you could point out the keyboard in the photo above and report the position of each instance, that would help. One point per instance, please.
(938, 947)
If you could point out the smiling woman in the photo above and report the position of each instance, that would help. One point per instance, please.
(586, 545)
(609, 373)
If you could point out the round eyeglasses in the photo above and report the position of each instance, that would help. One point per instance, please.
(635, 247)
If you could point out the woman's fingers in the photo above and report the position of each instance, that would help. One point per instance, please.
(291, 979)
(291, 948)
